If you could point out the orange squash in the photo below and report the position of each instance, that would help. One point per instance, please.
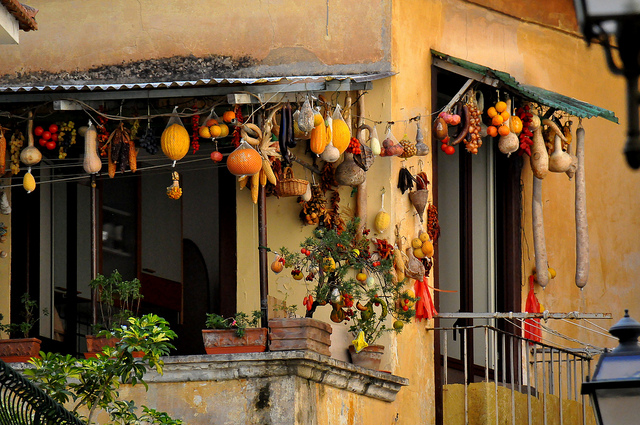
(175, 142)
(318, 139)
(515, 124)
(244, 161)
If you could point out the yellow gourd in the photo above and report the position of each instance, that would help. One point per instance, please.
(175, 142)
(91, 162)
(340, 132)
(382, 221)
(29, 182)
(318, 139)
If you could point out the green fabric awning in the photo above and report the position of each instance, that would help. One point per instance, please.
(539, 95)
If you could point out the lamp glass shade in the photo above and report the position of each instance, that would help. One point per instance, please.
(618, 366)
(618, 405)
(611, 9)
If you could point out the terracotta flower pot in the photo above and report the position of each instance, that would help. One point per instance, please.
(300, 334)
(370, 356)
(19, 350)
(95, 345)
(225, 341)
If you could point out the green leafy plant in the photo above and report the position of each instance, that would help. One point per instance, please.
(30, 318)
(354, 275)
(118, 299)
(239, 321)
(93, 384)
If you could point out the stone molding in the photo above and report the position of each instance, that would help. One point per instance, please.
(301, 364)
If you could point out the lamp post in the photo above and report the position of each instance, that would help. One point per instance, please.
(614, 389)
(603, 20)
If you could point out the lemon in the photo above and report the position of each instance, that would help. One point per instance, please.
(418, 253)
(424, 236)
(361, 277)
(398, 325)
(416, 243)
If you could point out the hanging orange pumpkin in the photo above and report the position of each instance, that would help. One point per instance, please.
(244, 161)
(175, 142)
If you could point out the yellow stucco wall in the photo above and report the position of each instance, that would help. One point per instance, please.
(79, 34)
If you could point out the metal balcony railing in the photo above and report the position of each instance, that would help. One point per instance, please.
(23, 403)
(493, 377)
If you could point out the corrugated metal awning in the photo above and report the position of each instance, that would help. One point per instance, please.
(539, 95)
(210, 86)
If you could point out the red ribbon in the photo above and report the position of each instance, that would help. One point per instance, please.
(532, 328)
(424, 306)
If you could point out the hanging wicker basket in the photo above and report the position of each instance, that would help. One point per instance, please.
(288, 185)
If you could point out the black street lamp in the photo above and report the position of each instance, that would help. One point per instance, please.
(603, 20)
(614, 389)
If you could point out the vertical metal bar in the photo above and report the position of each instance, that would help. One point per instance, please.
(446, 356)
(560, 384)
(535, 367)
(518, 368)
(551, 375)
(528, 383)
(575, 378)
(513, 386)
(466, 382)
(495, 372)
(486, 354)
(584, 410)
(262, 255)
(569, 374)
(544, 386)
(94, 248)
(504, 358)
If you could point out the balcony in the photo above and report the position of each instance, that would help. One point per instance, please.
(489, 376)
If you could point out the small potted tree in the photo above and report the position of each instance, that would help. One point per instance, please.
(21, 349)
(237, 334)
(118, 300)
(352, 274)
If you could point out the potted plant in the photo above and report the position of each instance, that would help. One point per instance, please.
(237, 334)
(90, 385)
(352, 274)
(118, 300)
(21, 349)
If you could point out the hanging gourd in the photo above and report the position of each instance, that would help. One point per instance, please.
(30, 155)
(91, 163)
(29, 182)
(174, 191)
(305, 119)
(376, 147)
(175, 140)
(382, 219)
(244, 160)
(317, 143)
(340, 131)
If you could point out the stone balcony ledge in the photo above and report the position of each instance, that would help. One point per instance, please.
(302, 364)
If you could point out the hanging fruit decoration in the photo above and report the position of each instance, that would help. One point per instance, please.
(29, 182)
(382, 219)
(244, 160)
(340, 131)
(175, 141)
(30, 155)
(174, 191)
(91, 163)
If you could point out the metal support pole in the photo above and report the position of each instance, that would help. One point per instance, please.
(264, 267)
(94, 247)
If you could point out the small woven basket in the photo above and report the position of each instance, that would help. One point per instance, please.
(288, 185)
